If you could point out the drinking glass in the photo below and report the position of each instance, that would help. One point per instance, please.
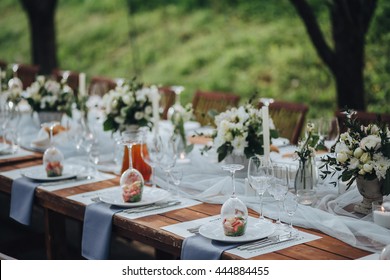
(53, 157)
(151, 152)
(290, 204)
(167, 160)
(259, 177)
(331, 131)
(279, 186)
(176, 176)
(131, 182)
(234, 212)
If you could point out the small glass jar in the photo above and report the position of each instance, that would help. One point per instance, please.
(53, 162)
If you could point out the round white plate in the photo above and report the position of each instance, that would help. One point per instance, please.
(149, 196)
(38, 173)
(214, 231)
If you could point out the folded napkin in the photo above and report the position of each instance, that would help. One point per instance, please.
(22, 198)
(198, 247)
(95, 244)
(42, 139)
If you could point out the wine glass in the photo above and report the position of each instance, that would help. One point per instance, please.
(331, 130)
(234, 212)
(177, 106)
(176, 176)
(131, 182)
(385, 253)
(53, 157)
(259, 177)
(290, 204)
(15, 81)
(279, 186)
(151, 152)
(167, 160)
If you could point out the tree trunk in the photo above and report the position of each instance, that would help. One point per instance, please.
(41, 14)
(350, 21)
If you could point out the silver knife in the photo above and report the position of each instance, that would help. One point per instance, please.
(266, 242)
(154, 207)
(76, 179)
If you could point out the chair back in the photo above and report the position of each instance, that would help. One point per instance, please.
(72, 79)
(27, 74)
(363, 117)
(3, 65)
(205, 103)
(100, 85)
(288, 118)
(168, 98)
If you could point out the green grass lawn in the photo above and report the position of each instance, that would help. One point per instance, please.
(211, 49)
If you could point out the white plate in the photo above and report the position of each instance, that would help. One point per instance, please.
(254, 231)
(149, 196)
(38, 173)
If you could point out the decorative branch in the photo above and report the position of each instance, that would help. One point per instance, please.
(313, 29)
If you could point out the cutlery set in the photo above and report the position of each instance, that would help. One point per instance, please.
(76, 179)
(151, 207)
(268, 241)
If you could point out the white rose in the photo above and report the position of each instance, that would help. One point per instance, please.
(119, 120)
(365, 157)
(342, 157)
(358, 153)
(138, 115)
(367, 167)
(362, 172)
(353, 164)
(370, 142)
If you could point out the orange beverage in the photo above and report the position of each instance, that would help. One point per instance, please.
(138, 162)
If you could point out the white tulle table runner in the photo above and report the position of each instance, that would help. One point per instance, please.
(204, 180)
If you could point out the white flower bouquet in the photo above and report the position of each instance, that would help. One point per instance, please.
(363, 151)
(46, 95)
(179, 117)
(128, 104)
(240, 132)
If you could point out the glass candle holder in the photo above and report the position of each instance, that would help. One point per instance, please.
(381, 213)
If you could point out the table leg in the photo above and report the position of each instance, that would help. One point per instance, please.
(55, 236)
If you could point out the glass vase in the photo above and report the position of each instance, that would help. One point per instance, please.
(305, 181)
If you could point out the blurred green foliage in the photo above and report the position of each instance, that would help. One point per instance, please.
(226, 45)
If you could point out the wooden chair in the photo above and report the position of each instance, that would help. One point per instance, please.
(205, 102)
(363, 117)
(27, 74)
(168, 98)
(72, 80)
(288, 118)
(3, 65)
(100, 85)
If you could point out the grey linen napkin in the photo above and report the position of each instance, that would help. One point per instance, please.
(96, 236)
(22, 198)
(198, 247)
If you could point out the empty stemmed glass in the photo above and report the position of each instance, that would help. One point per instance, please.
(53, 157)
(234, 212)
(176, 176)
(152, 152)
(290, 204)
(259, 178)
(132, 181)
(167, 160)
(279, 186)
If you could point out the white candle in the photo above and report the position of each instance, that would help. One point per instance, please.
(155, 96)
(266, 143)
(82, 89)
(382, 218)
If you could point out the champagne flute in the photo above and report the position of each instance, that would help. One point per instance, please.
(167, 160)
(176, 176)
(279, 186)
(290, 204)
(259, 178)
(151, 152)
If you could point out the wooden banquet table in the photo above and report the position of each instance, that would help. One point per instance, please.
(57, 207)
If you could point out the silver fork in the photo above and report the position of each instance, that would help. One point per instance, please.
(266, 241)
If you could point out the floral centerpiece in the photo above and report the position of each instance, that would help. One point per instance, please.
(47, 95)
(129, 104)
(239, 132)
(179, 117)
(363, 154)
(363, 151)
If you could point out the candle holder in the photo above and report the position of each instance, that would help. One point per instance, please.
(381, 213)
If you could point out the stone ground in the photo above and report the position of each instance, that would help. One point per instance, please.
(27, 243)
